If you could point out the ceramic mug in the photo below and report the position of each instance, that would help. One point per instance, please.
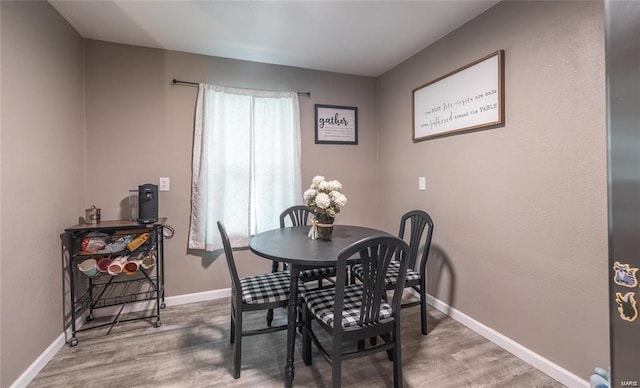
(148, 262)
(88, 267)
(117, 265)
(131, 267)
(103, 264)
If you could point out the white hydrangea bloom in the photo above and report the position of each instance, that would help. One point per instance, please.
(323, 201)
(324, 186)
(340, 200)
(335, 185)
(324, 198)
(309, 194)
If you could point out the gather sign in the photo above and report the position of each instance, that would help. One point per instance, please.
(336, 124)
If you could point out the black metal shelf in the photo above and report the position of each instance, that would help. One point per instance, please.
(116, 292)
(88, 294)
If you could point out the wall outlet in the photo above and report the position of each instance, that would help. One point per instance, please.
(422, 183)
(165, 184)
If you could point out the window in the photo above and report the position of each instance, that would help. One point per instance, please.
(246, 163)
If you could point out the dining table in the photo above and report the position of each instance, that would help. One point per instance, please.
(292, 245)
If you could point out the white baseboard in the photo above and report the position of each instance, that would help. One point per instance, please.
(553, 370)
(32, 371)
(198, 297)
(534, 359)
(169, 301)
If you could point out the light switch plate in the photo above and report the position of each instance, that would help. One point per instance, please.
(422, 183)
(165, 184)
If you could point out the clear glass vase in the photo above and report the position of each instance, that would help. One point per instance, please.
(325, 231)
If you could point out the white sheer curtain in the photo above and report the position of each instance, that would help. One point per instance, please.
(246, 163)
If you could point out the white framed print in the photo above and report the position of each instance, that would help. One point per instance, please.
(336, 124)
(466, 99)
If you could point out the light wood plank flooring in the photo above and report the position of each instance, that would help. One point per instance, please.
(191, 349)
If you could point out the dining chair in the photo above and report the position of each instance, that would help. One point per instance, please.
(413, 223)
(361, 309)
(299, 215)
(252, 293)
(296, 216)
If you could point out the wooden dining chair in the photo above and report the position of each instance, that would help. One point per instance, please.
(413, 224)
(252, 293)
(362, 309)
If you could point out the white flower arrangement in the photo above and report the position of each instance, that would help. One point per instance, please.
(324, 199)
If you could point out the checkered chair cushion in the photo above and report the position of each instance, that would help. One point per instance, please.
(392, 273)
(268, 287)
(314, 273)
(320, 303)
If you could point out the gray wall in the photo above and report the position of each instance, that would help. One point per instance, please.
(140, 127)
(520, 212)
(42, 175)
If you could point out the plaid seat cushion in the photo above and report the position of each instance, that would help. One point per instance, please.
(320, 303)
(392, 273)
(268, 287)
(315, 273)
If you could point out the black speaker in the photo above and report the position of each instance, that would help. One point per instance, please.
(148, 203)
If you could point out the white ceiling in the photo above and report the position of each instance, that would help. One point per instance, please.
(353, 37)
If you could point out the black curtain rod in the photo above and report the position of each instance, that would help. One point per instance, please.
(187, 83)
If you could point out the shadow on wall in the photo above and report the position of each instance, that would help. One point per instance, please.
(209, 257)
(441, 277)
(127, 208)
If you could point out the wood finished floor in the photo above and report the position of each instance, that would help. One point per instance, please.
(191, 349)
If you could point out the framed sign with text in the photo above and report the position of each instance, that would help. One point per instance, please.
(469, 98)
(336, 124)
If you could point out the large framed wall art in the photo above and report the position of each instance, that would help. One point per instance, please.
(336, 124)
(466, 99)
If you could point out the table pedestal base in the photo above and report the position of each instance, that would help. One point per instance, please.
(292, 317)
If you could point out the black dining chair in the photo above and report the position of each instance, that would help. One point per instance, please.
(296, 216)
(362, 309)
(299, 215)
(414, 223)
(252, 293)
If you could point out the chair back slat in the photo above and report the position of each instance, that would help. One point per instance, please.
(228, 252)
(417, 220)
(375, 254)
(297, 215)
(375, 259)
